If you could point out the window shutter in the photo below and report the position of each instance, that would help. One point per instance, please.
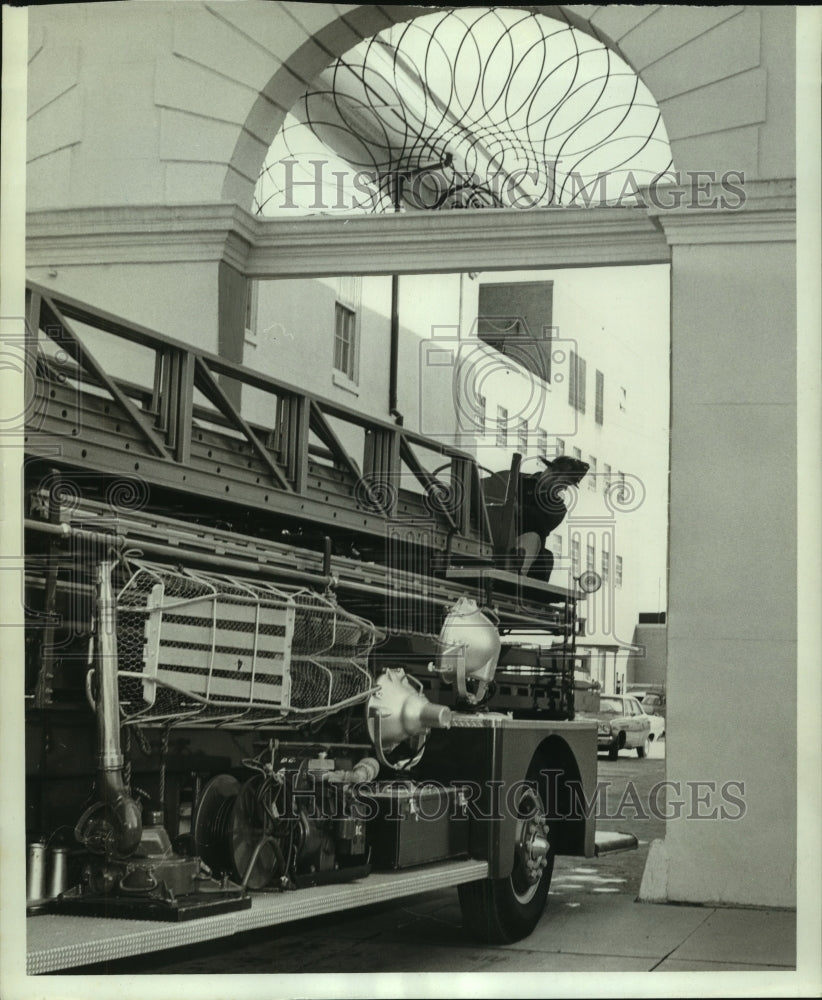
(576, 381)
(572, 379)
(515, 319)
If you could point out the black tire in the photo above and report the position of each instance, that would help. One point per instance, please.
(503, 910)
(644, 749)
(613, 750)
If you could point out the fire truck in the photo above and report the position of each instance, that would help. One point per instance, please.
(270, 673)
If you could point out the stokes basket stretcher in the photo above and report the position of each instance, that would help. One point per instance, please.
(200, 648)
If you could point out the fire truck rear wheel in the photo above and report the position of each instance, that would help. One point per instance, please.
(502, 910)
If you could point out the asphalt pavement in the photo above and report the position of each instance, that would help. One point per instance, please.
(629, 784)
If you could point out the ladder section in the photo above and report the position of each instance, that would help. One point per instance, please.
(125, 401)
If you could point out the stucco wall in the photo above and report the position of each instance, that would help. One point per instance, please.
(178, 300)
(732, 607)
(180, 101)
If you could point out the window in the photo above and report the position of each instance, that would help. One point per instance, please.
(345, 341)
(592, 472)
(606, 565)
(590, 557)
(618, 571)
(577, 454)
(606, 477)
(575, 558)
(346, 327)
(599, 404)
(502, 427)
(576, 382)
(556, 547)
(560, 446)
(542, 443)
(621, 497)
(515, 319)
(251, 296)
(481, 408)
(522, 436)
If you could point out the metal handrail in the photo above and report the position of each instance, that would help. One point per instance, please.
(166, 428)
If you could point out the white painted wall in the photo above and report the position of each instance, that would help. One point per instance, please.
(732, 606)
(177, 300)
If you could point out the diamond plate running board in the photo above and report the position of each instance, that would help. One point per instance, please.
(56, 942)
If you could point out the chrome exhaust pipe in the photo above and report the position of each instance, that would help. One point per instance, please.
(111, 786)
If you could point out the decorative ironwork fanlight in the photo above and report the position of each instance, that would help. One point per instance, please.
(468, 108)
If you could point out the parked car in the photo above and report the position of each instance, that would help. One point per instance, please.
(657, 724)
(652, 697)
(621, 725)
(652, 700)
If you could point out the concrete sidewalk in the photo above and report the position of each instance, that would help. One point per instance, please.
(596, 933)
(614, 933)
(590, 933)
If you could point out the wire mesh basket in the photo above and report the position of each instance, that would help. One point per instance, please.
(201, 648)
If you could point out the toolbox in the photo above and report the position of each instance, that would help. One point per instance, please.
(416, 824)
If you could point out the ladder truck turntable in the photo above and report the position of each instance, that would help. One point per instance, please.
(267, 679)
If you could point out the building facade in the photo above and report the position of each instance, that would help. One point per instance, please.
(477, 374)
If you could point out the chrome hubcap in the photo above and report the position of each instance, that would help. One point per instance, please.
(532, 846)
